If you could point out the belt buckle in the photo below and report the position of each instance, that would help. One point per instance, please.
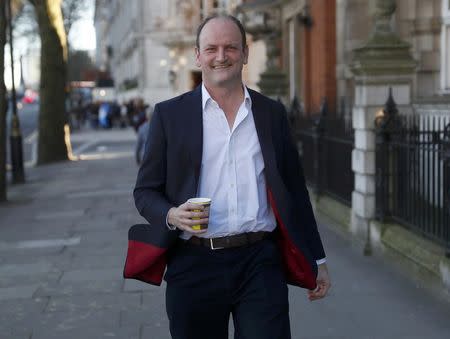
(211, 243)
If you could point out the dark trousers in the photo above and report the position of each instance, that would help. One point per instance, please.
(205, 286)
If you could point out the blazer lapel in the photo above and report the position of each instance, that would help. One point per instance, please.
(262, 123)
(195, 128)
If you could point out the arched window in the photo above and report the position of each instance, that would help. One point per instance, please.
(445, 47)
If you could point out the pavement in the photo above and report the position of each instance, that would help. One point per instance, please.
(63, 238)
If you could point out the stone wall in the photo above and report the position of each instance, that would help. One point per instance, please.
(417, 22)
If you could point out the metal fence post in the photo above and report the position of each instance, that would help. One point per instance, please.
(386, 122)
(318, 133)
(294, 113)
(446, 143)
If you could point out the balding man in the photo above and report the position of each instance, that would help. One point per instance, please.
(228, 143)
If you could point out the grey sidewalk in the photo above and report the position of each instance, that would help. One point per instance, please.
(63, 244)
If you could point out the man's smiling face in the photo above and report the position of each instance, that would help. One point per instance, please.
(221, 54)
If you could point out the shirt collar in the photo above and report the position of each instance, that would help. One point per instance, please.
(207, 97)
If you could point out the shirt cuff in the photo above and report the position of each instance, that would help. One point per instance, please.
(321, 261)
(169, 226)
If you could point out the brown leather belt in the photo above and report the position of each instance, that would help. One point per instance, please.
(236, 240)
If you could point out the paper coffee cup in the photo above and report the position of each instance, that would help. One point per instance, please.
(204, 202)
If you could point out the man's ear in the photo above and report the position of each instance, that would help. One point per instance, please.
(197, 57)
(245, 54)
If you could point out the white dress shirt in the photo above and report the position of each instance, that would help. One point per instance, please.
(232, 172)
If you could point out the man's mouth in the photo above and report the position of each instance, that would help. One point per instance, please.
(220, 66)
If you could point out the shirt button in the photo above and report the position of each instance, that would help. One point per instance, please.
(232, 185)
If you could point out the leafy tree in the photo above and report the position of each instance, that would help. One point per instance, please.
(52, 116)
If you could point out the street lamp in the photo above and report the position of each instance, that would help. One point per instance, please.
(15, 136)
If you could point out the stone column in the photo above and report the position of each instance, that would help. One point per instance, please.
(383, 62)
(262, 19)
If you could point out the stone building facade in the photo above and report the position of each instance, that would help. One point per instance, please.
(319, 38)
(148, 45)
(424, 24)
(177, 31)
(126, 49)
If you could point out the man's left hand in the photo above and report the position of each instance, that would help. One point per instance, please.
(323, 284)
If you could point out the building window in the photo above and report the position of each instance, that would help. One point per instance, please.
(445, 47)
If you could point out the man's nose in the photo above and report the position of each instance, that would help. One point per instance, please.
(221, 56)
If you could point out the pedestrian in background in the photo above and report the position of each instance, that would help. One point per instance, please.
(233, 145)
(139, 113)
(142, 133)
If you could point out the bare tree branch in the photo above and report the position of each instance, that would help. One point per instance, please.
(25, 21)
(73, 10)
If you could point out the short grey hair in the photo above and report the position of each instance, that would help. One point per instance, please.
(226, 17)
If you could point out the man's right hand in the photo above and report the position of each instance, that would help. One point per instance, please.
(181, 217)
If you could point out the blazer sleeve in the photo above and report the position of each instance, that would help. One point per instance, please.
(295, 182)
(149, 192)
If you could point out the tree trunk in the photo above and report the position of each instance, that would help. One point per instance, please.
(52, 114)
(2, 103)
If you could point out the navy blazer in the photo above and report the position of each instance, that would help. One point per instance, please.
(169, 176)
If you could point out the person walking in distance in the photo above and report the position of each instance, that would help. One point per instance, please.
(228, 143)
(142, 134)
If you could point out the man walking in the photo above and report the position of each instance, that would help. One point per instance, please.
(228, 143)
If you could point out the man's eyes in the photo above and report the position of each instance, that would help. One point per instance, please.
(228, 48)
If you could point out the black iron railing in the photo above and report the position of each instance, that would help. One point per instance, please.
(412, 172)
(325, 145)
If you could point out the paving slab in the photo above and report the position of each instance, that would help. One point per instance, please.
(91, 275)
(104, 237)
(85, 261)
(132, 285)
(39, 243)
(98, 193)
(125, 302)
(90, 323)
(74, 289)
(156, 331)
(95, 223)
(30, 269)
(34, 252)
(18, 317)
(18, 292)
(98, 252)
(60, 215)
(23, 279)
(13, 238)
